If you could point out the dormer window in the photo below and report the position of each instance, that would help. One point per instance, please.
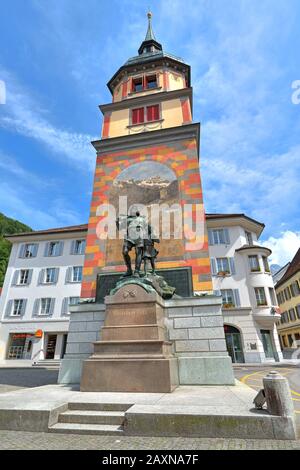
(151, 82)
(137, 84)
(146, 82)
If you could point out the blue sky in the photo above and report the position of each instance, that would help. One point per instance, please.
(57, 56)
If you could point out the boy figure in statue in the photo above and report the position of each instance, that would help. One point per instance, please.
(136, 232)
(150, 252)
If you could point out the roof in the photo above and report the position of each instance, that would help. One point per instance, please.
(71, 228)
(292, 269)
(232, 216)
(255, 247)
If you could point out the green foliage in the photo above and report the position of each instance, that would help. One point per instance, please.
(7, 227)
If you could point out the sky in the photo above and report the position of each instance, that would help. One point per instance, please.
(56, 57)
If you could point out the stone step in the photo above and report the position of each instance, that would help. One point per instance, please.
(133, 347)
(96, 406)
(92, 417)
(76, 428)
(55, 364)
(133, 333)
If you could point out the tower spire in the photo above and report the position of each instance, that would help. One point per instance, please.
(150, 34)
(150, 43)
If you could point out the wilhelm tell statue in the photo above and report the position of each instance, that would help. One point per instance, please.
(139, 235)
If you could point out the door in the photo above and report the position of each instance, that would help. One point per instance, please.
(234, 343)
(51, 343)
(267, 344)
(64, 346)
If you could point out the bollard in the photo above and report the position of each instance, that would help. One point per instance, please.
(278, 395)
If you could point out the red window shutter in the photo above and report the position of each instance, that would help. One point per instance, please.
(153, 113)
(138, 116)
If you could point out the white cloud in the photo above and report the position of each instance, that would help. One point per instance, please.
(24, 116)
(284, 247)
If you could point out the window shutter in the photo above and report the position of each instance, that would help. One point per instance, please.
(60, 248)
(23, 308)
(210, 237)
(217, 292)
(153, 112)
(30, 271)
(46, 252)
(69, 274)
(73, 244)
(22, 251)
(232, 265)
(56, 273)
(52, 304)
(138, 116)
(65, 306)
(8, 308)
(15, 278)
(226, 236)
(36, 307)
(83, 245)
(237, 297)
(213, 266)
(41, 279)
(35, 250)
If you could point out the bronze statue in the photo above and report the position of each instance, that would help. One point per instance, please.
(139, 235)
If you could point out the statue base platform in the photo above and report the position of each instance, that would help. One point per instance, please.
(133, 354)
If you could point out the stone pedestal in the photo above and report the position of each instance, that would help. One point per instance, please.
(133, 354)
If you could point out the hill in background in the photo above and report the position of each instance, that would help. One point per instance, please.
(7, 227)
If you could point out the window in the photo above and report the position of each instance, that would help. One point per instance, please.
(29, 250)
(153, 113)
(298, 311)
(45, 306)
(18, 307)
(137, 84)
(295, 289)
(284, 317)
(223, 265)
(24, 277)
(218, 236)
(53, 249)
(272, 296)
(266, 264)
(78, 247)
(287, 293)
(227, 298)
(74, 300)
(292, 314)
(146, 114)
(254, 263)
(138, 116)
(77, 274)
(249, 238)
(50, 275)
(151, 81)
(260, 296)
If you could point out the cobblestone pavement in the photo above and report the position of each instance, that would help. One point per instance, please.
(17, 440)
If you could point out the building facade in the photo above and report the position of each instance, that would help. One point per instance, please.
(241, 274)
(288, 295)
(43, 277)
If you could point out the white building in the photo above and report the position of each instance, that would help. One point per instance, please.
(241, 274)
(43, 277)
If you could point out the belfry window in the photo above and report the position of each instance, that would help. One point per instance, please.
(151, 82)
(137, 84)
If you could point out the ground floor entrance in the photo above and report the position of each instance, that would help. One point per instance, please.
(234, 343)
(268, 344)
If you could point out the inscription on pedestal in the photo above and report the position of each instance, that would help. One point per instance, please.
(181, 278)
